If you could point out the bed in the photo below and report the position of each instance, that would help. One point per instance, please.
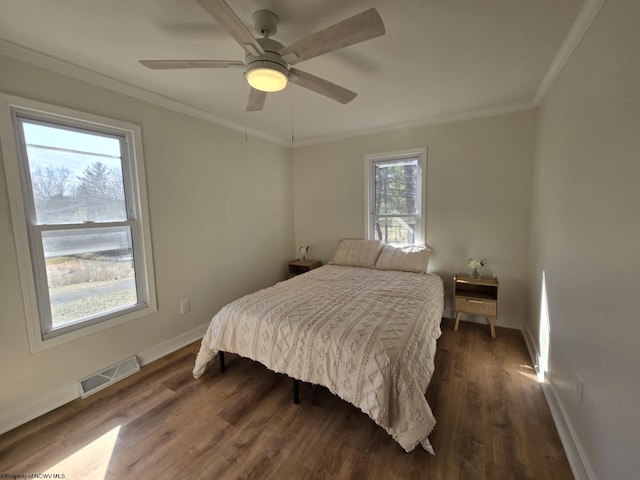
(366, 332)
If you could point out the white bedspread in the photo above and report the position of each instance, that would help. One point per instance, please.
(368, 336)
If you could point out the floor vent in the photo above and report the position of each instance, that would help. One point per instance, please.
(108, 376)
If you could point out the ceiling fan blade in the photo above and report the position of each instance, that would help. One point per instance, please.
(321, 86)
(222, 13)
(176, 64)
(256, 100)
(356, 29)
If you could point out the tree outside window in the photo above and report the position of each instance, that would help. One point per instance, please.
(395, 185)
(85, 254)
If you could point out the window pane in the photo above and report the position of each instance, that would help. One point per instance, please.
(395, 229)
(75, 176)
(396, 187)
(89, 272)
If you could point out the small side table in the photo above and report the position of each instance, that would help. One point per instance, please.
(297, 267)
(478, 297)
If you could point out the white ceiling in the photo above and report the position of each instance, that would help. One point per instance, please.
(439, 58)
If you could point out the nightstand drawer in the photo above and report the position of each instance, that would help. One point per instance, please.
(479, 307)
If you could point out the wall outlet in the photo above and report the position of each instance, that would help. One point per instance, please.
(185, 306)
(579, 387)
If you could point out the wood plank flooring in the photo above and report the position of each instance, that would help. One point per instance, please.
(493, 423)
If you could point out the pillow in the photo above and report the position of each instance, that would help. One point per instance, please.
(414, 258)
(357, 253)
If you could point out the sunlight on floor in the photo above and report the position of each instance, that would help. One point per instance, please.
(91, 461)
(529, 372)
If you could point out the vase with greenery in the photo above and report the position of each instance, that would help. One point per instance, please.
(476, 264)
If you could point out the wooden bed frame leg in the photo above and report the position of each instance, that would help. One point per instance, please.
(222, 368)
(296, 397)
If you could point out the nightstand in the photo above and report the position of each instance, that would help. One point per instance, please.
(296, 267)
(478, 297)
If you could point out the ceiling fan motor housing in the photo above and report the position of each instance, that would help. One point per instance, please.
(270, 59)
(267, 61)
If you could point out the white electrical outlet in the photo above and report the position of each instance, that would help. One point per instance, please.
(185, 306)
(579, 387)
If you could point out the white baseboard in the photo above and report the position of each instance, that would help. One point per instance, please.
(531, 346)
(176, 343)
(573, 449)
(44, 402)
(48, 401)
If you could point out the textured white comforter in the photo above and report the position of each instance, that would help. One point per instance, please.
(367, 335)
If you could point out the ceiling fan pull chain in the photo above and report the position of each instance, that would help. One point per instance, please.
(245, 89)
(291, 112)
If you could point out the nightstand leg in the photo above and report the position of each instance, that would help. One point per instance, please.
(491, 326)
(457, 321)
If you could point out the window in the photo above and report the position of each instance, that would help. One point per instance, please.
(395, 196)
(79, 210)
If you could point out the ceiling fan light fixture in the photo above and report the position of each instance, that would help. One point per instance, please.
(267, 76)
(267, 62)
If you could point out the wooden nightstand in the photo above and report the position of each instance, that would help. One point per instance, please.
(296, 267)
(478, 297)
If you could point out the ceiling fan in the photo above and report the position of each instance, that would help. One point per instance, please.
(267, 62)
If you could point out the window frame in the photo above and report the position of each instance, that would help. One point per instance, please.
(370, 160)
(30, 253)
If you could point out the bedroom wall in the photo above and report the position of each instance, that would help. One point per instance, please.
(479, 176)
(585, 237)
(221, 225)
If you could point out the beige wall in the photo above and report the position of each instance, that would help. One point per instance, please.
(570, 209)
(585, 237)
(478, 197)
(221, 224)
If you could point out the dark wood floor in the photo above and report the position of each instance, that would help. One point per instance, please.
(493, 423)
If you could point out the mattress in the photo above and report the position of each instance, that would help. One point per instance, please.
(367, 335)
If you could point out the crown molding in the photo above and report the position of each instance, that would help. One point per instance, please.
(438, 120)
(57, 65)
(38, 59)
(583, 21)
(585, 17)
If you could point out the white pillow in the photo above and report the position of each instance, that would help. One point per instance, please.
(414, 258)
(357, 253)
